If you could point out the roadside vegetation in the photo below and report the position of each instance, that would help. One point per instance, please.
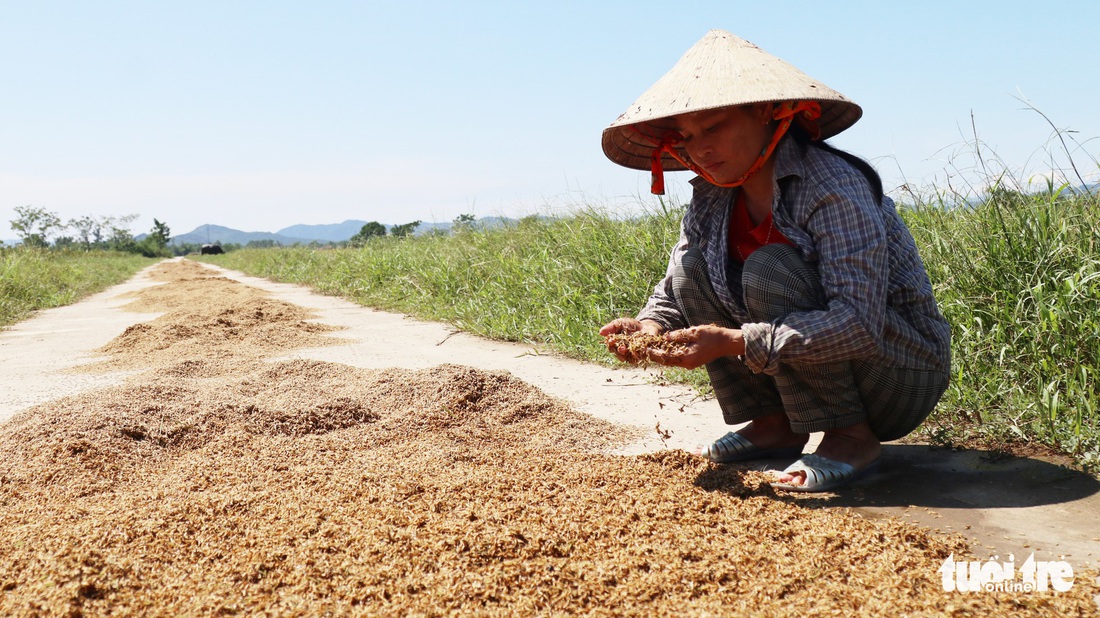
(36, 278)
(1018, 278)
(39, 228)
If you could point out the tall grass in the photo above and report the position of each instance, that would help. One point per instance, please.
(1018, 278)
(32, 279)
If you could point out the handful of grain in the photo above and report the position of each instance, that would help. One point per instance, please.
(639, 346)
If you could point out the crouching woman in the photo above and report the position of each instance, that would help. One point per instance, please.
(794, 281)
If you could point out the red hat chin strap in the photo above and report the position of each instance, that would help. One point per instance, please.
(656, 169)
(807, 112)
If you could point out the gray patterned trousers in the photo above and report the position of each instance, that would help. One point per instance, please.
(776, 282)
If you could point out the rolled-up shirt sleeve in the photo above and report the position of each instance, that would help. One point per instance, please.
(848, 233)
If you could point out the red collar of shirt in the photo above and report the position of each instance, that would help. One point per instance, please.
(744, 238)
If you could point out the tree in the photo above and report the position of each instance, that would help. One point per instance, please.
(160, 234)
(155, 244)
(405, 229)
(121, 239)
(64, 242)
(367, 232)
(34, 225)
(89, 230)
(373, 228)
(464, 222)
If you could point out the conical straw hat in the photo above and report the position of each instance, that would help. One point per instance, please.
(721, 70)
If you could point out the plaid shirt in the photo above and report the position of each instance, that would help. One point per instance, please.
(880, 306)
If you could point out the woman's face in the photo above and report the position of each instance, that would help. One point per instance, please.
(725, 142)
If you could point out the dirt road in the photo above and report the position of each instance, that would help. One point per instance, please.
(302, 452)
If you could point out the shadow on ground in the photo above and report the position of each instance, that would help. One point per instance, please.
(924, 476)
(917, 475)
(1003, 503)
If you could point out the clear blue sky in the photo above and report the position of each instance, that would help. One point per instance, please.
(259, 115)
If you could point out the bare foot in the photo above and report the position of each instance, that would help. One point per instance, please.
(772, 431)
(856, 446)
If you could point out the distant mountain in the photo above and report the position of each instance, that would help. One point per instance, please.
(332, 232)
(225, 235)
(305, 234)
(339, 232)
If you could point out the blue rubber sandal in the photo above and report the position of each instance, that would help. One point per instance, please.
(823, 474)
(734, 447)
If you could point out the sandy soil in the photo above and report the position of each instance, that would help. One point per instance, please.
(205, 464)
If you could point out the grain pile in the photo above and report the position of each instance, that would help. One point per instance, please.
(208, 317)
(218, 483)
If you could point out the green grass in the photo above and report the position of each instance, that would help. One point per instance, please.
(32, 279)
(1018, 278)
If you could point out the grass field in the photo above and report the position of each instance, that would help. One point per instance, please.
(39, 279)
(1019, 279)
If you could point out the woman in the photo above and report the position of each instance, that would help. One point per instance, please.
(794, 280)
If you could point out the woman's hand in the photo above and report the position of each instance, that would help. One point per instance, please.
(700, 345)
(628, 326)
